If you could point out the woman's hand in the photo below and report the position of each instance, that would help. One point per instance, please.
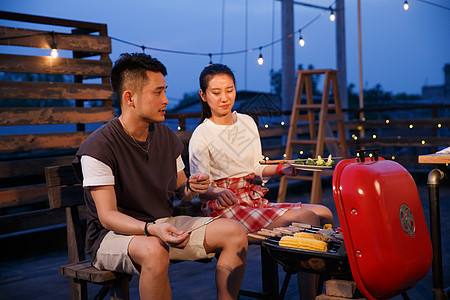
(287, 169)
(226, 198)
(199, 182)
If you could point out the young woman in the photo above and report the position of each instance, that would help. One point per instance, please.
(226, 145)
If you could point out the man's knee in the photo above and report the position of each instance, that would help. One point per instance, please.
(227, 233)
(153, 256)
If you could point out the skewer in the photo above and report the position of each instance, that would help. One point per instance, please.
(204, 224)
(278, 161)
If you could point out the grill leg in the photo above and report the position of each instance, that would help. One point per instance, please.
(434, 178)
(286, 280)
(405, 296)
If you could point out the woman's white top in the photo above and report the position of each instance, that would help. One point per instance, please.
(226, 151)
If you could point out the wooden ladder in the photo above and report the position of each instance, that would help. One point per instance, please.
(320, 131)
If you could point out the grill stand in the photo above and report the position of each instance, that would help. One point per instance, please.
(435, 177)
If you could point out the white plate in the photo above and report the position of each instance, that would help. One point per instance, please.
(310, 167)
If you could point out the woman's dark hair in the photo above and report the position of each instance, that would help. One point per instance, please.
(205, 76)
(130, 71)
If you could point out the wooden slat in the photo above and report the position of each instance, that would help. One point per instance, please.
(64, 189)
(57, 176)
(55, 90)
(47, 65)
(23, 195)
(34, 142)
(30, 167)
(43, 39)
(85, 271)
(51, 21)
(31, 220)
(55, 115)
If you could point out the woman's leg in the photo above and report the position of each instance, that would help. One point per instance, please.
(324, 213)
(296, 215)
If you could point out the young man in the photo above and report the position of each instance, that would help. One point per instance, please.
(131, 168)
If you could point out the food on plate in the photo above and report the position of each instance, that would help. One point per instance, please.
(303, 243)
(316, 162)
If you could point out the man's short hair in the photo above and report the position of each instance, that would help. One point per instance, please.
(129, 72)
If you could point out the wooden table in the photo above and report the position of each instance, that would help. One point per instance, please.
(434, 179)
(434, 159)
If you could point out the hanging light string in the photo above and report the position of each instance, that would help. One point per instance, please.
(210, 54)
(435, 4)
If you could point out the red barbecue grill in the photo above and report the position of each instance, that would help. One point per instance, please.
(388, 247)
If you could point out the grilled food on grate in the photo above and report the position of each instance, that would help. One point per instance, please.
(303, 243)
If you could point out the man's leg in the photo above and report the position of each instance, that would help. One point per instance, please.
(152, 256)
(230, 237)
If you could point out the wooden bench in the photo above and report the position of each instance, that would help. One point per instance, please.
(65, 191)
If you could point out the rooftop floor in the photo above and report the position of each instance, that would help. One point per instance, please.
(33, 272)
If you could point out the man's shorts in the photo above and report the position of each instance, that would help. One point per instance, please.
(113, 251)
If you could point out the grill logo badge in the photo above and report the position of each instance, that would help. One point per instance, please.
(407, 220)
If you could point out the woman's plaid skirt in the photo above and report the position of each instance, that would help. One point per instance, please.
(254, 211)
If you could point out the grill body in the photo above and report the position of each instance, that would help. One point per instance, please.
(385, 232)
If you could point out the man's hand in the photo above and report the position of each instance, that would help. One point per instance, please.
(199, 182)
(170, 235)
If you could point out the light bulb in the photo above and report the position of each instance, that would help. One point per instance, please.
(332, 16)
(406, 5)
(260, 60)
(301, 42)
(54, 53)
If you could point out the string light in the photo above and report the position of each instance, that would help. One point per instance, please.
(423, 142)
(374, 136)
(301, 152)
(411, 126)
(301, 41)
(406, 5)
(260, 59)
(282, 123)
(387, 121)
(393, 157)
(332, 16)
(210, 59)
(439, 125)
(266, 126)
(54, 52)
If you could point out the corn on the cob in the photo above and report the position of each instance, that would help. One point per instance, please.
(309, 235)
(328, 226)
(303, 243)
